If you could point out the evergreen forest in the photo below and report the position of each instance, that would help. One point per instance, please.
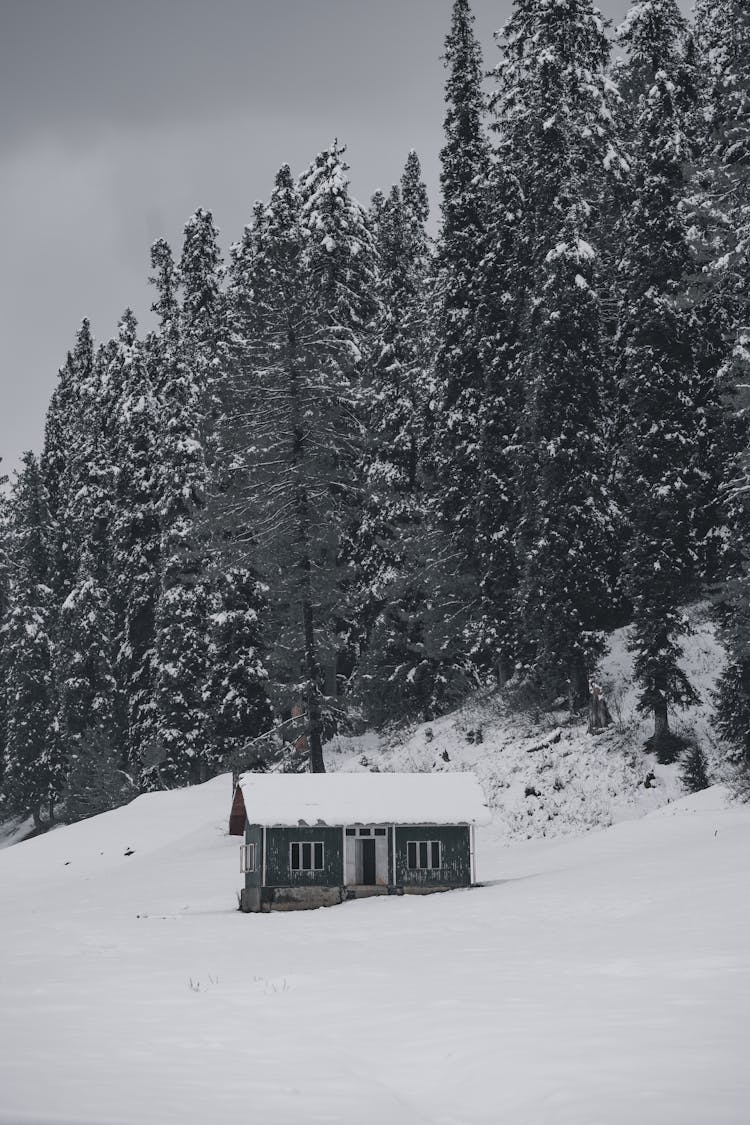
(358, 469)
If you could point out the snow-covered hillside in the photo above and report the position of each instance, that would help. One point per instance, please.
(602, 979)
(544, 775)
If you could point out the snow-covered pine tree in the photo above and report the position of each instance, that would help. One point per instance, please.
(733, 689)
(554, 112)
(182, 748)
(34, 774)
(659, 341)
(392, 542)
(720, 203)
(236, 693)
(203, 322)
(694, 773)
(135, 539)
(722, 30)
(88, 482)
(65, 428)
(83, 658)
(459, 368)
(501, 289)
(341, 260)
(215, 327)
(306, 274)
(5, 572)
(278, 392)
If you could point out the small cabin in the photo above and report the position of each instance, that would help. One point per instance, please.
(317, 839)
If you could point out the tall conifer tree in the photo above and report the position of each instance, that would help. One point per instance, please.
(658, 339)
(309, 263)
(135, 546)
(34, 773)
(86, 684)
(394, 539)
(554, 106)
(459, 369)
(182, 749)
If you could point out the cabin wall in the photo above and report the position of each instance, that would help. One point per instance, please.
(254, 835)
(278, 869)
(456, 856)
(285, 889)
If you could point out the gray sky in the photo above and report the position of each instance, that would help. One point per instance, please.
(120, 117)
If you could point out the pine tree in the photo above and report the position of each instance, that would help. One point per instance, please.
(723, 36)
(85, 682)
(182, 749)
(459, 369)
(309, 267)
(733, 689)
(135, 540)
(202, 323)
(84, 504)
(554, 113)
(237, 701)
(392, 542)
(34, 773)
(659, 367)
(235, 698)
(720, 210)
(341, 260)
(497, 510)
(5, 575)
(62, 455)
(694, 775)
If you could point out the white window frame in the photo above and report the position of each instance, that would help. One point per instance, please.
(248, 858)
(313, 844)
(430, 866)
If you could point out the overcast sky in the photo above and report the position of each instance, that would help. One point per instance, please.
(120, 117)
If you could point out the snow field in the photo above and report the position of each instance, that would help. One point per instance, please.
(599, 980)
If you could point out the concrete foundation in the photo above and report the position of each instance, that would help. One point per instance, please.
(261, 900)
(362, 891)
(255, 900)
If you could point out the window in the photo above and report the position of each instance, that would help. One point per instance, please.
(380, 831)
(248, 858)
(306, 856)
(351, 831)
(423, 855)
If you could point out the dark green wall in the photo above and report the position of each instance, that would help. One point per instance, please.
(278, 872)
(254, 835)
(456, 857)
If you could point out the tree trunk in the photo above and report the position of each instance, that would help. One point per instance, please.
(313, 673)
(599, 716)
(578, 684)
(661, 723)
(302, 505)
(666, 745)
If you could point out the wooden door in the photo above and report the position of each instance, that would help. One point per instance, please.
(368, 862)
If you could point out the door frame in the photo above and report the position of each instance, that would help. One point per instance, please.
(382, 836)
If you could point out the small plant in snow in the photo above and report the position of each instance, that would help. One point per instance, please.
(694, 773)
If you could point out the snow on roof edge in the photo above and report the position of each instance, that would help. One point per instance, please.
(337, 799)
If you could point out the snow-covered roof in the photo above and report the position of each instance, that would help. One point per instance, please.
(337, 799)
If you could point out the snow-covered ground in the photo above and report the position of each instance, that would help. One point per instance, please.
(601, 976)
(598, 980)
